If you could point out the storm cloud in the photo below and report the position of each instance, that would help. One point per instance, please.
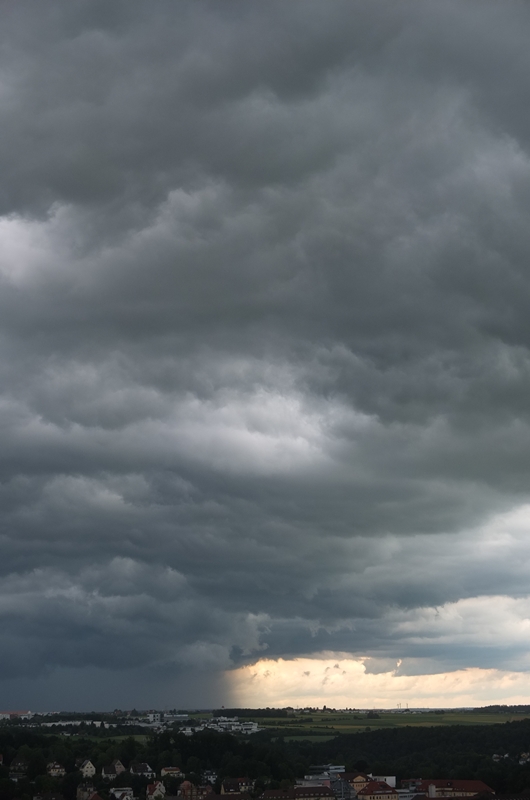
(264, 341)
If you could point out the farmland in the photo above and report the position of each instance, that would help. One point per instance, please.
(318, 726)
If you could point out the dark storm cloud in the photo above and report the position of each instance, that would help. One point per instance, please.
(263, 333)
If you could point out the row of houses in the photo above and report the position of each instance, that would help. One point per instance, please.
(333, 781)
(18, 770)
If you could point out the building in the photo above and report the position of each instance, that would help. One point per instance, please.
(441, 787)
(390, 779)
(85, 791)
(122, 793)
(55, 770)
(319, 769)
(86, 768)
(171, 772)
(191, 792)
(16, 714)
(378, 790)
(142, 769)
(18, 769)
(357, 780)
(155, 791)
(108, 772)
(313, 793)
(236, 785)
(299, 793)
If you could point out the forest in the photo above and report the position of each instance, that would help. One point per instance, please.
(274, 762)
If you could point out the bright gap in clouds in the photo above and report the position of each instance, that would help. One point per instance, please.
(339, 681)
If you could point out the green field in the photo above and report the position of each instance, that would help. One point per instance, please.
(316, 726)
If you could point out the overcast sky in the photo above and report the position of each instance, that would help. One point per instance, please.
(264, 351)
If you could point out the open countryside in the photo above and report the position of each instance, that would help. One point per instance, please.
(320, 725)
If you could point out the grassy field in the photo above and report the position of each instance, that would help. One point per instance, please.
(319, 725)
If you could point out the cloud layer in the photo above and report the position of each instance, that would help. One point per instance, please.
(264, 338)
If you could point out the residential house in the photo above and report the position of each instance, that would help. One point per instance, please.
(236, 785)
(109, 773)
(18, 769)
(85, 791)
(55, 770)
(155, 791)
(118, 766)
(143, 769)
(85, 767)
(122, 793)
(377, 790)
(172, 772)
(191, 792)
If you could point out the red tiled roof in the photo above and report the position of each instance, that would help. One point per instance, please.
(277, 794)
(377, 787)
(298, 792)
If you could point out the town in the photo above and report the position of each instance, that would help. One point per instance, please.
(167, 755)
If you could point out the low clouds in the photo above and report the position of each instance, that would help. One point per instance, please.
(264, 341)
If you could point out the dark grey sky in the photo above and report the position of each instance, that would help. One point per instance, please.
(264, 341)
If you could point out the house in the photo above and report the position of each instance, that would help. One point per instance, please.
(155, 791)
(377, 790)
(86, 767)
(357, 780)
(55, 770)
(85, 791)
(143, 769)
(172, 772)
(109, 773)
(18, 769)
(118, 766)
(191, 792)
(123, 793)
(236, 785)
